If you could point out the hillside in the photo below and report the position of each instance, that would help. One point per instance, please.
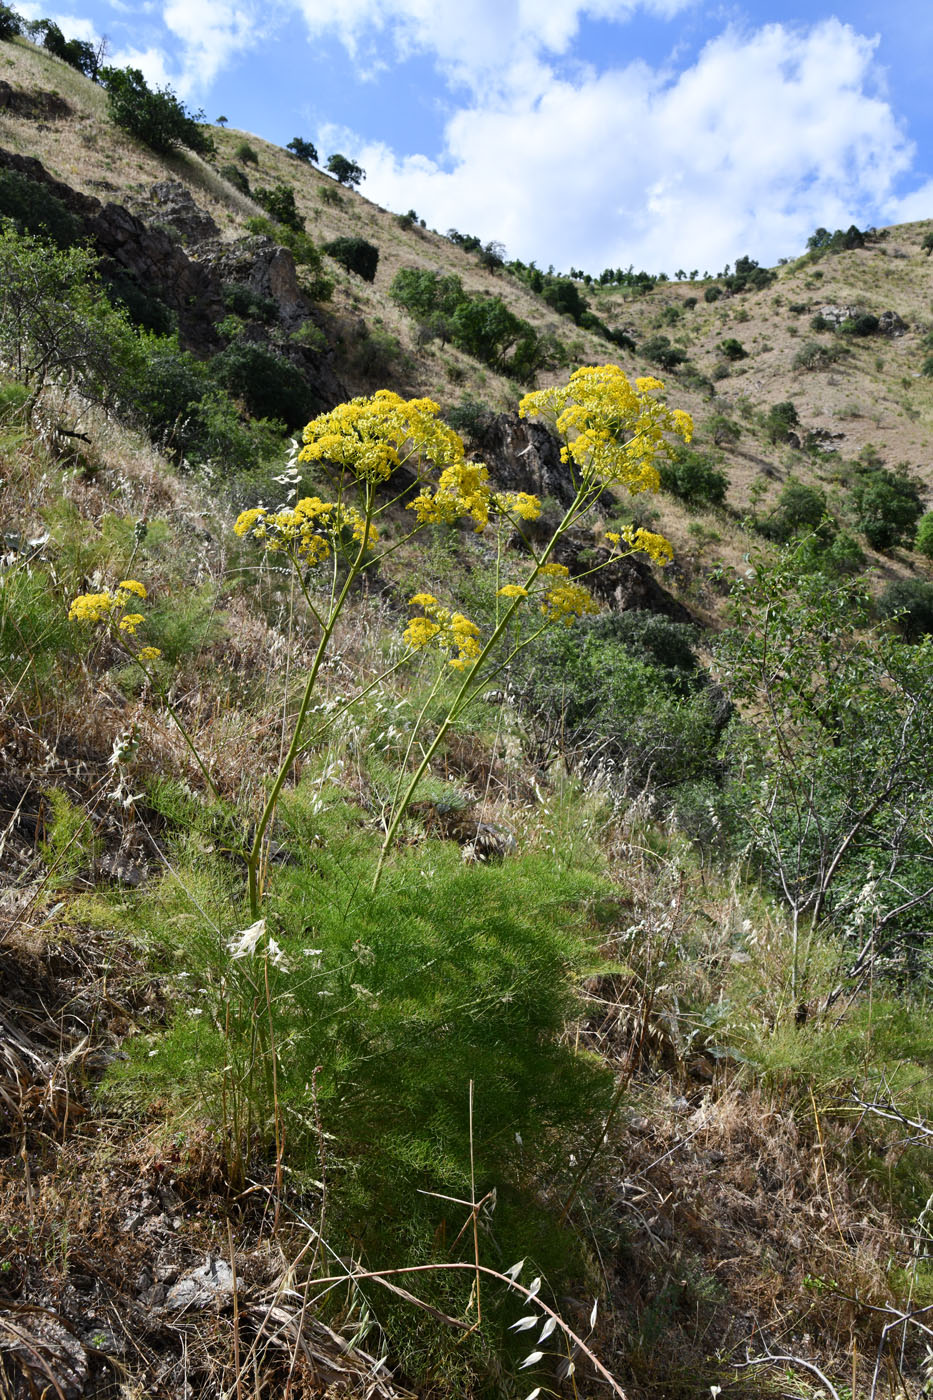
(401, 1001)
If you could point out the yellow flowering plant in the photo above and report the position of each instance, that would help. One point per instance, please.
(612, 433)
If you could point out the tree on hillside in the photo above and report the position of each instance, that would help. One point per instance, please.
(303, 150)
(344, 171)
(11, 23)
(157, 118)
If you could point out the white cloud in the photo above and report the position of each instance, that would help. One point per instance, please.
(911, 207)
(765, 137)
(470, 38)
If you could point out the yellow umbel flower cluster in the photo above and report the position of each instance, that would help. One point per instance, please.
(372, 436)
(451, 631)
(565, 600)
(109, 607)
(658, 549)
(613, 431)
(464, 489)
(309, 530)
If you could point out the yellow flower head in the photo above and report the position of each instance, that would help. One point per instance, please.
(129, 585)
(148, 654)
(512, 590)
(565, 602)
(658, 549)
(613, 431)
(453, 632)
(129, 622)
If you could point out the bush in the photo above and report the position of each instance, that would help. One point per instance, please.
(748, 276)
(733, 349)
(11, 23)
(157, 118)
(712, 293)
(693, 477)
(887, 505)
(75, 52)
(235, 177)
(606, 689)
(800, 509)
(865, 324)
(660, 349)
(269, 385)
(820, 323)
(472, 419)
(723, 430)
(34, 208)
(56, 321)
(924, 540)
(280, 204)
(909, 603)
(244, 153)
(813, 356)
(356, 255)
(241, 300)
(780, 421)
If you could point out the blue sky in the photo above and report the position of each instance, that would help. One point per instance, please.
(589, 133)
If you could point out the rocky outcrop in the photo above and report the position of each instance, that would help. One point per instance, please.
(190, 281)
(150, 256)
(171, 205)
(524, 456)
(39, 105)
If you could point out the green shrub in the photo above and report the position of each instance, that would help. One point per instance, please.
(471, 418)
(909, 602)
(242, 300)
(57, 321)
(35, 208)
(780, 421)
(733, 349)
(601, 690)
(78, 53)
(660, 349)
(303, 150)
(812, 355)
(245, 154)
(712, 293)
(235, 177)
(328, 195)
(269, 385)
(693, 476)
(924, 540)
(157, 118)
(723, 430)
(280, 204)
(862, 325)
(800, 508)
(926, 369)
(887, 504)
(356, 255)
(798, 308)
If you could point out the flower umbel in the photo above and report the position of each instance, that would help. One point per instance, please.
(452, 632)
(612, 430)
